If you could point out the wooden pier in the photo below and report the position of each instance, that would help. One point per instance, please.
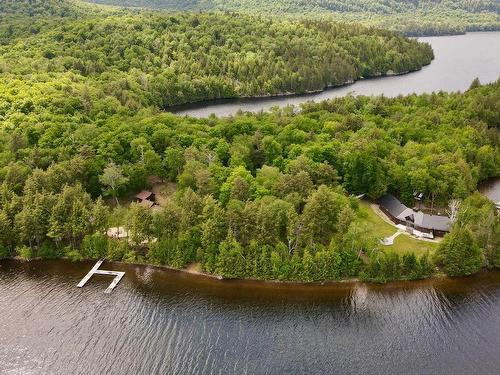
(96, 271)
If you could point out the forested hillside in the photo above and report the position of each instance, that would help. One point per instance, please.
(413, 17)
(146, 59)
(43, 8)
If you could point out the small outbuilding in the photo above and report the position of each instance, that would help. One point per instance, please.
(146, 198)
(147, 203)
(145, 195)
(419, 196)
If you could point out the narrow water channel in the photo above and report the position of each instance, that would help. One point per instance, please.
(458, 60)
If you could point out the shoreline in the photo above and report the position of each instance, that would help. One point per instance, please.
(327, 283)
(175, 109)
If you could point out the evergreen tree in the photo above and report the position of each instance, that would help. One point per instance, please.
(308, 269)
(410, 266)
(321, 214)
(458, 254)
(139, 223)
(426, 267)
(230, 260)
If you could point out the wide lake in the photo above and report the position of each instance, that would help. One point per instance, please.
(458, 60)
(165, 322)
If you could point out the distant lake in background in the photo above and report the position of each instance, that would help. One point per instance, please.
(458, 60)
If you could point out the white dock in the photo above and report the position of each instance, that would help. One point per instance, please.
(96, 271)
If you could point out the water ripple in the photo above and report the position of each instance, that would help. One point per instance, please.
(158, 322)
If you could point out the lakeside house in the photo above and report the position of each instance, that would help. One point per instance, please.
(146, 198)
(415, 222)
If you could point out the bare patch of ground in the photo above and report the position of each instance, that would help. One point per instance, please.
(194, 268)
(163, 191)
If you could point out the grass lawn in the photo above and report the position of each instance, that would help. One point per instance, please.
(381, 229)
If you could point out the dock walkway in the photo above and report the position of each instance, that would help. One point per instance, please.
(96, 271)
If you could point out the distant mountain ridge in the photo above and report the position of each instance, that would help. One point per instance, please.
(54, 8)
(412, 17)
(302, 6)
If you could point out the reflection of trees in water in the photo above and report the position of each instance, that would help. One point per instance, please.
(422, 297)
(491, 189)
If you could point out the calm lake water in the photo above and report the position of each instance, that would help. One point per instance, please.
(491, 189)
(458, 60)
(164, 322)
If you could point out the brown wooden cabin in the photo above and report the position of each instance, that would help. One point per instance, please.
(146, 198)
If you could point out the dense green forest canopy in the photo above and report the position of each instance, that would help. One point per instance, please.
(413, 17)
(156, 59)
(44, 8)
(267, 195)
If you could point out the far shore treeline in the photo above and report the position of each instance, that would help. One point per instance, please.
(411, 17)
(268, 195)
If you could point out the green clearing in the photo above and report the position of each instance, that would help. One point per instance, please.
(381, 229)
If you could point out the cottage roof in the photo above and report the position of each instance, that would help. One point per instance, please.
(407, 214)
(419, 218)
(392, 205)
(441, 223)
(144, 195)
(401, 212)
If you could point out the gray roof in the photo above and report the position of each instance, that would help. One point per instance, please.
(401, 212)
(391, 204)
(436, 222)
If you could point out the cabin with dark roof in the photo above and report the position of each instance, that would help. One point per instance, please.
(434, 225)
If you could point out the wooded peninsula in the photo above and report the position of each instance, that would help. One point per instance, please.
(145, 59)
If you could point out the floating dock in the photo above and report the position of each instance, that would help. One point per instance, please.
(96, 271)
